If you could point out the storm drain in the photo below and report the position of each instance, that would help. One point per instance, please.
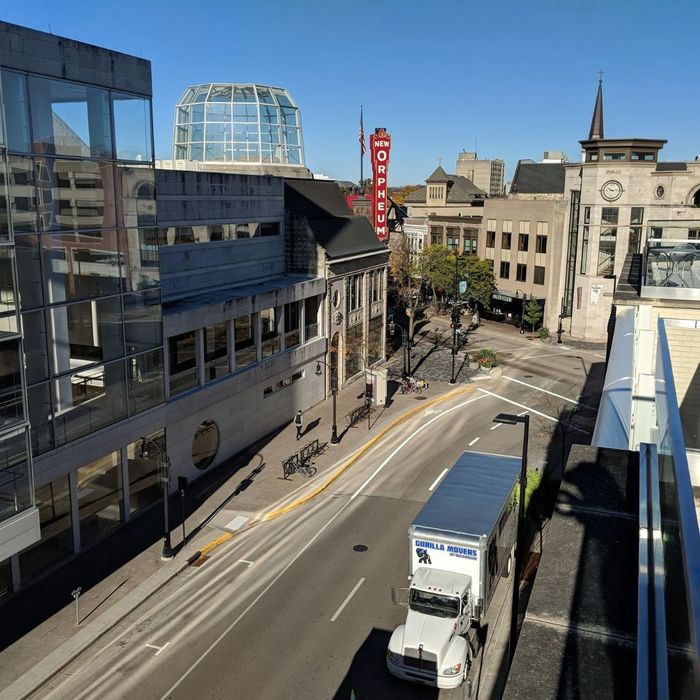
(360, 548)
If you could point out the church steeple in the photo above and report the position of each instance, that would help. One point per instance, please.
(597, 121)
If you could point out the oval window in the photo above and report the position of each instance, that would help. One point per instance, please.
(336, 298)
(660, 191)
(205, 444)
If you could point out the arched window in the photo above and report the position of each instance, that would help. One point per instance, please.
(696, 198)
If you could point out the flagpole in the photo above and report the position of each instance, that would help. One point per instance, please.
(362, 152)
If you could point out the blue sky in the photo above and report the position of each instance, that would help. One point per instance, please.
(519, 76)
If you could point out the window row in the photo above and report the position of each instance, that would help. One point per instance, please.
(282, 384)
(213, 93)
(253, 150)
(175, 235)
(521, 272)
(15, 475)
(52, 194)
(8, 292)
(236, 133)
(61, 267)
(58, 117)
(92, 398)
(201, 356)
(223, 112)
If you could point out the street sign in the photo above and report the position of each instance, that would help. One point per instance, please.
(463, 286)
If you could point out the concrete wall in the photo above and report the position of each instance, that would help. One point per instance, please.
(58, 57)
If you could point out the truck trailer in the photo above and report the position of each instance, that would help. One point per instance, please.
(461, 544)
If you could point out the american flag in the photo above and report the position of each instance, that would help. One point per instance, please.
(363, 148)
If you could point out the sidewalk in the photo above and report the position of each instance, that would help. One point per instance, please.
(39, 635)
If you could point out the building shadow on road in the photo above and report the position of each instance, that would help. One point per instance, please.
(368, 676)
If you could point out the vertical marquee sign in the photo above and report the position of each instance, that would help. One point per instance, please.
(380, 145)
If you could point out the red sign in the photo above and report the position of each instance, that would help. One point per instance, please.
(380, 145)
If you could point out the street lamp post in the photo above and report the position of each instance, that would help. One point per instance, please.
(510, 419)
(404, 344)
(560, 330)
(334, 392)
(522, 310)
(146, 446)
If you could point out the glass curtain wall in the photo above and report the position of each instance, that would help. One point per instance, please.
(240, 122)
(81, 194)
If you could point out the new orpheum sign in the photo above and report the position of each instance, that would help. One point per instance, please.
(380, 145)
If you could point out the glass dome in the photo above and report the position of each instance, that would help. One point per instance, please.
(239, 123)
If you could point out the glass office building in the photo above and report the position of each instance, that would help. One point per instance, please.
(238, 123)
(79, 179)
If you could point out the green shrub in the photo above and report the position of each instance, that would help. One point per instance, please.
(544, 333)
(486, 358)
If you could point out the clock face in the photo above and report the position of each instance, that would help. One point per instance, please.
(611, 190)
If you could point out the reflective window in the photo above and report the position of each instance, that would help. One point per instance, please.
(183, 362)
(22, 201)
(244, 335)
(8, 302)
(144, 472)
(136, 205)
(80, 266)
(145, 377)
(36, 359)
(11, 403)
(29, 271)
(74, 195)
(311, 317)
(88, 400)
(142, 321)
(268, 332)
(15, 484)
(53, 502)
(132, 127)
(69, 119)
(205, 444)
(138, 251)
(86, 333)
(100, 500)
(292, 324)
(521, 272)
(39, 405)
(539, 275)
(215, 352)
(14, 95)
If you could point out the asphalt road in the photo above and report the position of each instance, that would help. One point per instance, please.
(291, 608)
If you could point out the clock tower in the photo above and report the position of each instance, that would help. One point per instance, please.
(610, 205)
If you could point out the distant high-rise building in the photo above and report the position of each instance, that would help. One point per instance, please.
(238, 127)
(485, 174)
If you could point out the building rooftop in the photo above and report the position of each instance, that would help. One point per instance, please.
(538, 178)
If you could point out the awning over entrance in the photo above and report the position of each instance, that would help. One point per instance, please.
(502, 295)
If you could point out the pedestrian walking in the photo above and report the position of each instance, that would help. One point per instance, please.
(299, 422)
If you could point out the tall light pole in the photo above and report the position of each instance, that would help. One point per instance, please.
(147, 446)
(510, 419)
(334, 392)
(522, 309)
(404, 344)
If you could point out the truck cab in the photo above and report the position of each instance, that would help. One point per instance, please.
(428, 648)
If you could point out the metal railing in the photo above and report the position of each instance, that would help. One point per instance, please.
(668, 611)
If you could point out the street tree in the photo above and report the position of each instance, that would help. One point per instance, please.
(399, 194)
(406, 277)
(532, 312)
(481, 281)
(438, 266)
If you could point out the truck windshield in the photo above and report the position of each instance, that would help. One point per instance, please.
(434, 604)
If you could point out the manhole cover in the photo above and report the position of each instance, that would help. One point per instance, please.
(528, 376)
(359, 548)
(420, 398)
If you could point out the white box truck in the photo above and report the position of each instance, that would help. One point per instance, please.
(461, 545)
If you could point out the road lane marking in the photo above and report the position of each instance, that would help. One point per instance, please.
(347, 600)
(237, 523)
(160, 649)
(519, 405)
(245, 561)
(473, 442)
(497, 425)
(546, 391)
(410, 437)
(437, 481)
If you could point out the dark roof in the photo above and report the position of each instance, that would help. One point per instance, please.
(342, 236)
(671, 166)
(538, 178)
(439, 175)
(314, 198)
(460, 190)
(332, 222)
